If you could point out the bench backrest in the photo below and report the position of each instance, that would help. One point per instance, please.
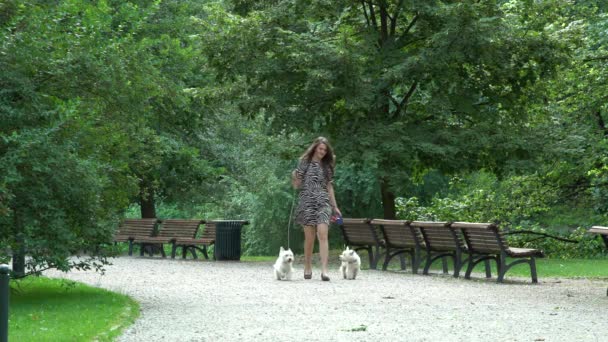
(399, 233)
(137, 227)
(179, 229)
(208, 232)
(359, 232)
(599, 230)
(602, 231)
(439, 236)
(482, 237)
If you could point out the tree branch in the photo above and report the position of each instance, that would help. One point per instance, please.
(591, 59)
(406, 98)
(365, 13)
(395, 17)
(383, 23)
(409, 27)
(372, 14)
(600, 122)
(541, 234)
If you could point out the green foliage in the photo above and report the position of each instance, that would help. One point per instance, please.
(108, 105)
(481, 197)
(436, 86)
(518, 203)
(96, 114)
(43, 309)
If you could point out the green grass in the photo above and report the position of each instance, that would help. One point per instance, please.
(548, 268)
(258, 258)
(43, 309)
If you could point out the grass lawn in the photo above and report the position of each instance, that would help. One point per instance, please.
(563, 268)
(551, 268)
(43, 309)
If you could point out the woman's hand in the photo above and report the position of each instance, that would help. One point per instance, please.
(337, 211)
(296, 182)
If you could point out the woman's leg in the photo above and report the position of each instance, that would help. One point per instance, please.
(309, 244)
(322, 235)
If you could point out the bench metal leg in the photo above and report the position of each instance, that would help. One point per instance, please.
(390, 255)
(402, 261)
(472, 262)
(488, 268)
(430, 259)
(375, 256)
(457, 263)
(533, 270)
(193, 251)
(444, 264)
(415, 260)
(504, 267)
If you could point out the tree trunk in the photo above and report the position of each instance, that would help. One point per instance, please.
(146, 201)
(19, 251)
(388, 201)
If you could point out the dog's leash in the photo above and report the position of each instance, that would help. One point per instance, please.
(293, 201)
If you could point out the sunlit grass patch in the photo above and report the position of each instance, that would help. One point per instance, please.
(43, 309)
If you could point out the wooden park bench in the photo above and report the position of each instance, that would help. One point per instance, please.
(486, 242)
(204, 239)
(400, 239)
(360, 234)
(133, 229)
(441, 241)
(602, 232)
(171, 231)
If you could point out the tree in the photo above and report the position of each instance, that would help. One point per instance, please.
(96, 112)
(401, 87)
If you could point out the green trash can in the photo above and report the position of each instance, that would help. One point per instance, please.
(228, 239)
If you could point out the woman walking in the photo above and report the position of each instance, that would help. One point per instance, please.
(317, 202)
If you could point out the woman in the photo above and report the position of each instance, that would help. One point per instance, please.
(317, 201)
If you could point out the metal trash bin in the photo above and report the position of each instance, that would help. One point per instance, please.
(228, 239)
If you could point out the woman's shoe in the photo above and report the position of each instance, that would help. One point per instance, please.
(324, 277)
(308, 276)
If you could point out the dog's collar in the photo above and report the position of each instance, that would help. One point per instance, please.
(352, 262)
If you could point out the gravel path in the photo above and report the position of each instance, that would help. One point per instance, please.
(235, 301)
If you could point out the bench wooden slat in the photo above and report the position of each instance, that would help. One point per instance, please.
(201, 240)
(599, 230)
(131, 229)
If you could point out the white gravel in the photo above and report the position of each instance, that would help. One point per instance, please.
(186, 300)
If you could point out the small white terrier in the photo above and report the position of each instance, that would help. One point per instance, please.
(351, 264)
(283, 269)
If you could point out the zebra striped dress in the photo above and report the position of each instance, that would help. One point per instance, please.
(313, 207)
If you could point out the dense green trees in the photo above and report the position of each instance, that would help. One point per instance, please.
(96, 114)
(203, 108)
(401, 87)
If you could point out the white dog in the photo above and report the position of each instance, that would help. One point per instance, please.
(351, 263)
(283, 269)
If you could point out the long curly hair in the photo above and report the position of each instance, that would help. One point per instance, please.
(329, 161)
